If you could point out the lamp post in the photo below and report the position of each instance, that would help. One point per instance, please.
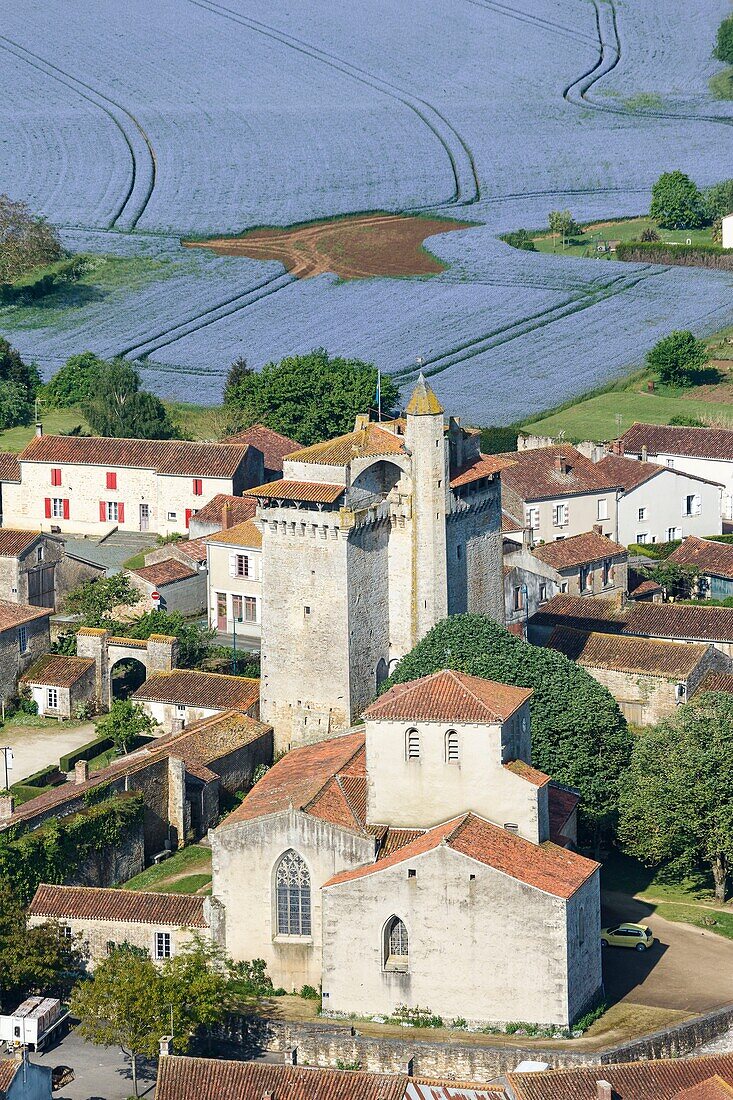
(8, 759)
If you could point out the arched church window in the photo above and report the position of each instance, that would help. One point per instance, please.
(396, 945)
(452, 751)
(381, 672)
(293, 896)
(412, 745)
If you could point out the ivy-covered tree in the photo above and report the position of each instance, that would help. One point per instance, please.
(579, 736)
(677, 203)
(33, 960)
(76, 382)
(677, 359)
(677, 794)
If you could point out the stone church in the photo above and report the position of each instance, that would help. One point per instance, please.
(417, 860)
(368, 540)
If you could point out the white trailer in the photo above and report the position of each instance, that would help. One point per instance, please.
(34, 1023)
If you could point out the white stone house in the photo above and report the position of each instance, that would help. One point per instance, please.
(413, 862)
(234, 564)
(92, 485)
(180, 586)
(659, 503)
(59, 685)
(184, 695)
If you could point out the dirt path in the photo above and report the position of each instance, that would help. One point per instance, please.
(357, 247)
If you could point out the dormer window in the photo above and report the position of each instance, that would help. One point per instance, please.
(412, 744)
(452, 750)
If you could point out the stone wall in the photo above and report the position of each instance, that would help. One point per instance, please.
(12, 662)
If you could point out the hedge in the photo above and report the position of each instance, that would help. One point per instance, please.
(50, 776)
(43, 280)
(657, 550)
(85, 752)
(684, 255)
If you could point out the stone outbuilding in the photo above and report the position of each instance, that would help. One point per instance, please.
(24, 637)
(184, 695)
(648, 679)
(60, 685)
(158, 923)
(712, 563)
(181, 587)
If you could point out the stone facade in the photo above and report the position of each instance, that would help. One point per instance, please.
(20, 645)
(159, 653)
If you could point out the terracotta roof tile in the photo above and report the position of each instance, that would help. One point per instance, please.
(216, 1079)
(421, 1088)
(623, 653)
(9, 466)
(705, 555)
(13, 542)
(509, 524)
(578, 550)
(661, 1079)
(167, 571)
(16, 614)
(239, 509)
(368, 442)
(547, 867)
(92, 903)
(394, 839)
(316, 492)
(191, 687)
(273, 445)
(645, 588)
(56, 670)
(525, 771)
(448, 696)
(193, 548)
(483, 466)
(671, 440)
(166, 456)
(558, 471)
(716, 681)
(245, 534)
(297, 780)
(715, 1088)
(693, 622)
(628, 472)
(561, 802)
(8, 1069)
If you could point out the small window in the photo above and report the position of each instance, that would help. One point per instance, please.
(511, 826)
(39, 553)
(518, 601)
(57, 508)
(242, 565)
(459, 552)
(586, 578)
(642, 538)
(250, 609)
(563, 587)
(162, 945)
(65, 931)
(198, 487)
(603, 508)
(607, 572)
(642, 513)
(113, 511)
(22, 639)
(181, 708)
(172, 516)
(306, 610)
(543, 593)
(412, 744)
(52, 698)
(452, 751)
(581, 925)
(411, 872)
(396, 945)
(111, 479)
(670, 462)
(237, 608)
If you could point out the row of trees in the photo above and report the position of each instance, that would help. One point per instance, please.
(678, 203)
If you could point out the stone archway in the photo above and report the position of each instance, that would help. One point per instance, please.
(158, 653)
(126, 675)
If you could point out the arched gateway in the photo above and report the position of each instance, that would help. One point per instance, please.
(159, 653)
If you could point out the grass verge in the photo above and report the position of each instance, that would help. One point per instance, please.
(191, 862)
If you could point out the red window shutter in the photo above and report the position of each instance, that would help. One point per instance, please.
(111, 480)
(102, 511)
(48, 507)
(197, 487)
(188, 518)
(120, 513)
(66, 509)
(55, 476)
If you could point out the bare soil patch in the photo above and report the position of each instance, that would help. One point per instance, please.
(357, 247)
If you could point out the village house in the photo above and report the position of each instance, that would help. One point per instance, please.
(93, 485)
(221, 512)
(712, 563)
(390, 864)
(659, 503)
(582, 565)
(234, 565)
(61, 686)
(275, 447)
(673, 622)
(179, 586)
(648, 679)
(368, 540)
(24, 637)
(24, 1080)
(705, 452)
(190, 552)
(159, 923)
(34, 568)
(176, 699)
(556, 492)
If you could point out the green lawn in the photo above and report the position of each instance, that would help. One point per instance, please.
(177, 874)
(608, 415)
(627, 229)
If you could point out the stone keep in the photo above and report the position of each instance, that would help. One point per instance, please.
(368, 540)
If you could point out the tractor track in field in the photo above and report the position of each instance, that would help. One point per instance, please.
(533, 20)
(140, 190)
(467, 188)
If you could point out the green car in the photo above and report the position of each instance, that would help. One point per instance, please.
(638, 936)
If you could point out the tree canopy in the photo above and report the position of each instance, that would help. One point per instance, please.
(19, 384)
(719, 197)
(120, 408)
(677, 203)
(579, 736)
(97, 600)
(682, 813)
(76, 382)
(26, 241)
(677, 359)
(563, 224)
(125, 722)
(32, 960)
(193, 639)
(308, 397)
(724, 41)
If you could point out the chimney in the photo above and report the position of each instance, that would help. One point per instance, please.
(561, 464)
(166, 1045)
(604, 1090)
(644, 453)
(226, 516)
(598, 528)
(81, 771)
(39, 428)
(7, 805)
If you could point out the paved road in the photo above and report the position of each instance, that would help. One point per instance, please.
(35, 748)
(102, 1073)
(688, 969)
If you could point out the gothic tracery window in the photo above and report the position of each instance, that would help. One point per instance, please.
(293, 896)
(396, 945)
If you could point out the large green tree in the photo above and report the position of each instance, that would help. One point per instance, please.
(97, 600)
(76, 382)
(677, 359)
(724, 41)
(677, 203)
(719, 197)
(19, 382)
(120, 408)
(32, 960)
(677, 794)
(193, 639)
(125, 722)
(579, 736)
(562, 224)
(26, 241)
(308, 397)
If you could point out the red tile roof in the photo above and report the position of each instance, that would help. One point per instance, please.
(527, 772)
(193, 548)
(716, 681)
(167, 571)
(8, 1069)
(661, 1079)
(216, 1079)
(705, 555)
(316, 492)
(16, 614)
(92, 903)
(537, 475)
(9, 466)
(273, 445)
(370, 442)
(509, 524)
(578, 550)
(239, 510)
(693, 622)
(628, 472)
(191, 687)
(57, 671)
(426, 1089)
(13, 542)
(715, 1088)
(245, 534)
(394, 839)
(483, 466)
(670, 440)
(165, 456)
(448, 696)
(547, 867)
(625, 653)
(646, 588)
(302, 780)
(561, 802)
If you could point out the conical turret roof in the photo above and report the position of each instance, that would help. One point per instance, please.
(423, 401)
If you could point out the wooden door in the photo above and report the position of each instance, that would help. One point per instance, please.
(221, 611)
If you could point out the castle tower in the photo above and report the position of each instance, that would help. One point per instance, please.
(428, 447)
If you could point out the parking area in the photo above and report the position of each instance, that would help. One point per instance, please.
(36, 747)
